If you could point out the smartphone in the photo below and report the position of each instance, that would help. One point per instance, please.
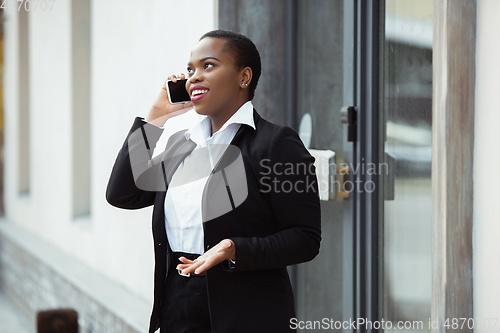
(177, 92)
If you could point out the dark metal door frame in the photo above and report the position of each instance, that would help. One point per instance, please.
(363, 29)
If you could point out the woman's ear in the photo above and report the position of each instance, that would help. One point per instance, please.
(246, 77)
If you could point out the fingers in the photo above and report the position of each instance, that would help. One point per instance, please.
(200, 264)
(185, 263)
(185, 260)
(203, 267)
(224, 250)
(174, 78)
(193, 267)
(191, 264)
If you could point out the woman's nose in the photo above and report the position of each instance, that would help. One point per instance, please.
(196, 77)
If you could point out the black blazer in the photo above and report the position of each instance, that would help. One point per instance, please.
(278, 224)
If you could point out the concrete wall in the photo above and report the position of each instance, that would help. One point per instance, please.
(486, 167)
(263, 22)
(37, 277)
(134, 47)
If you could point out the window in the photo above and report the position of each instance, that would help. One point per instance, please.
(80, 50)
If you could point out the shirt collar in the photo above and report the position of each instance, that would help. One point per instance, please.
(201, 131)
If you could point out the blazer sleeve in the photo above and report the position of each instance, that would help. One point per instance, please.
(135, 176)
(293, 194)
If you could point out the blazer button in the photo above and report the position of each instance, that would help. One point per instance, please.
(208, 246)
(159, 244)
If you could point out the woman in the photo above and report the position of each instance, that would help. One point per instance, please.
(224, 236)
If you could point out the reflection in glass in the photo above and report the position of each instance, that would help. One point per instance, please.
(408, 115)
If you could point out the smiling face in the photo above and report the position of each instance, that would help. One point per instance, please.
(214, 82)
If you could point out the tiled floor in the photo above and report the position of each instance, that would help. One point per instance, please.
(11, 319)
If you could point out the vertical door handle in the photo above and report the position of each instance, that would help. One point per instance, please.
(348, 116)
(389, 176)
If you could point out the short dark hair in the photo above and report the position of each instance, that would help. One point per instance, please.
(244, 51)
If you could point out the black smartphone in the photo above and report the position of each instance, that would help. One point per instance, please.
(177, 92)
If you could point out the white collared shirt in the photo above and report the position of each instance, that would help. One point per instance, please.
(183, 219)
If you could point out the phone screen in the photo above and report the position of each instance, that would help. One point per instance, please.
(177, 92)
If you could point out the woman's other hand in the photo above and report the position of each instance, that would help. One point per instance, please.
(162, 109)
(223, 251)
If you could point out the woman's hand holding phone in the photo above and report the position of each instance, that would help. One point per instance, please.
(162, 109)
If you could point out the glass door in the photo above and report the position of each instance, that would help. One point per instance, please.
(387, 145)
(364, 91)
(321, 63)
(407, 119)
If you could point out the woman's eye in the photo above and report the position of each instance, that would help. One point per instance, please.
(208, 65)
(189, 70)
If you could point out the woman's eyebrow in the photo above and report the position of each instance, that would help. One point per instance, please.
(203, 59)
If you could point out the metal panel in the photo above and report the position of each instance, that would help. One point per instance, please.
(349, 157)
(369, 21)
(361, 210)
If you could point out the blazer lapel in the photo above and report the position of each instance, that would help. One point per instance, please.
(237, 137)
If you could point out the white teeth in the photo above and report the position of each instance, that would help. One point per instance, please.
(198, 92)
